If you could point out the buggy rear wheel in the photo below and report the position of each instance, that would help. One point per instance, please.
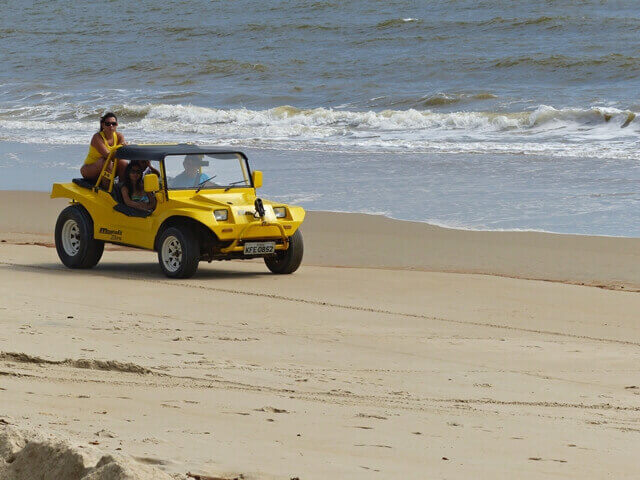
(75, 244)
(287, 261)
(178, 252)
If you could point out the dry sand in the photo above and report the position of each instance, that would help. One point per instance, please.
(392, 368)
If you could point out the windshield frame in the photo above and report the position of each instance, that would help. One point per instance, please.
(244, 165)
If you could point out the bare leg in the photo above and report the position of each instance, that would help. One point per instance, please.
(122, 165)
(91, 172)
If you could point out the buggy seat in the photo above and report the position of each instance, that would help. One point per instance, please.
(120, 206)
(123, 208)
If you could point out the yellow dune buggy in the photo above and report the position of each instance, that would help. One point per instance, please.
(207, 209)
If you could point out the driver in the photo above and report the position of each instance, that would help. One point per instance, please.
(191, 177)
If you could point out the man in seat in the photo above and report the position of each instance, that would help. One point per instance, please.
(191, 177)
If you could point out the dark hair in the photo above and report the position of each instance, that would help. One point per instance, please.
(104, 117)
(126, 181)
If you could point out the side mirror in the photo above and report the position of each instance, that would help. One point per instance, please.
(256, 177)
(151, 183)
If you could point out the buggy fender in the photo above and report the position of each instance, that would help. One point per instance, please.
(201, 221)
(297, 215)
(71, 191)
(92, 200)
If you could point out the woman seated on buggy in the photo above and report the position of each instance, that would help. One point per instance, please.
(102, 144)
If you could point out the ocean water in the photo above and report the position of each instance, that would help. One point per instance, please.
(473, 114)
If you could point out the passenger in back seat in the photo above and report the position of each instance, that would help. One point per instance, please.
(132, 189)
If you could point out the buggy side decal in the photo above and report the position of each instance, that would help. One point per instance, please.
(115, 234)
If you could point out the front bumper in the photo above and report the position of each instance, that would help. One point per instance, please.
(238, 243)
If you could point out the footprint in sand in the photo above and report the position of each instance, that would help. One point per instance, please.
(270, 410)
(151, 440)
(538, 459)
(152, 461)
(376, 446)
(365, 415)
(207, 477)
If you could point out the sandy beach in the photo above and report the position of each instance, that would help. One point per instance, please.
(398, 350)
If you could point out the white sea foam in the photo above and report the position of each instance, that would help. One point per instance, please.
(597, 131)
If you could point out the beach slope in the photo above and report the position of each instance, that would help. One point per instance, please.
(398, 349)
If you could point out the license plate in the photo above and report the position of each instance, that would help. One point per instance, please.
(259, 248)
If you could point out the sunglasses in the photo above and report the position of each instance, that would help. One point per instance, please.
(111, 124)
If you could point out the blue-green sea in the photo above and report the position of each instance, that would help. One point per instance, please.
(473, 114)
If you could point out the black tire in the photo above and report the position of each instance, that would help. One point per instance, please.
(75, 244)
(288, 261)
(178, 252)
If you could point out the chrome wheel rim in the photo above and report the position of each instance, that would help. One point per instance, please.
(171, 254)
(71, 238)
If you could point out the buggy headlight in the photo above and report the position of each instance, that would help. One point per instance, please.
(280, 212)
(221, 215)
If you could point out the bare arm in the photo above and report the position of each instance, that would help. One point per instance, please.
(121, 139)
(147, 164)
(151, 206)
(127, 200)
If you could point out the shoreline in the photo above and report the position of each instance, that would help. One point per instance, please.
(374, 241)
(424, 222)
(475, 200)
(471, 229)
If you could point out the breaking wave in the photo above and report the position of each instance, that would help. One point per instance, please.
(597, 131)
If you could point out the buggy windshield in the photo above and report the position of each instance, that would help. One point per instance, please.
(206, 171)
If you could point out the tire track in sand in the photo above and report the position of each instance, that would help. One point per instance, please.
(307, 301)
(150, 378)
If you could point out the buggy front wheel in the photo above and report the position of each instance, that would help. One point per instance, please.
(289, 260)
(178, 252)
